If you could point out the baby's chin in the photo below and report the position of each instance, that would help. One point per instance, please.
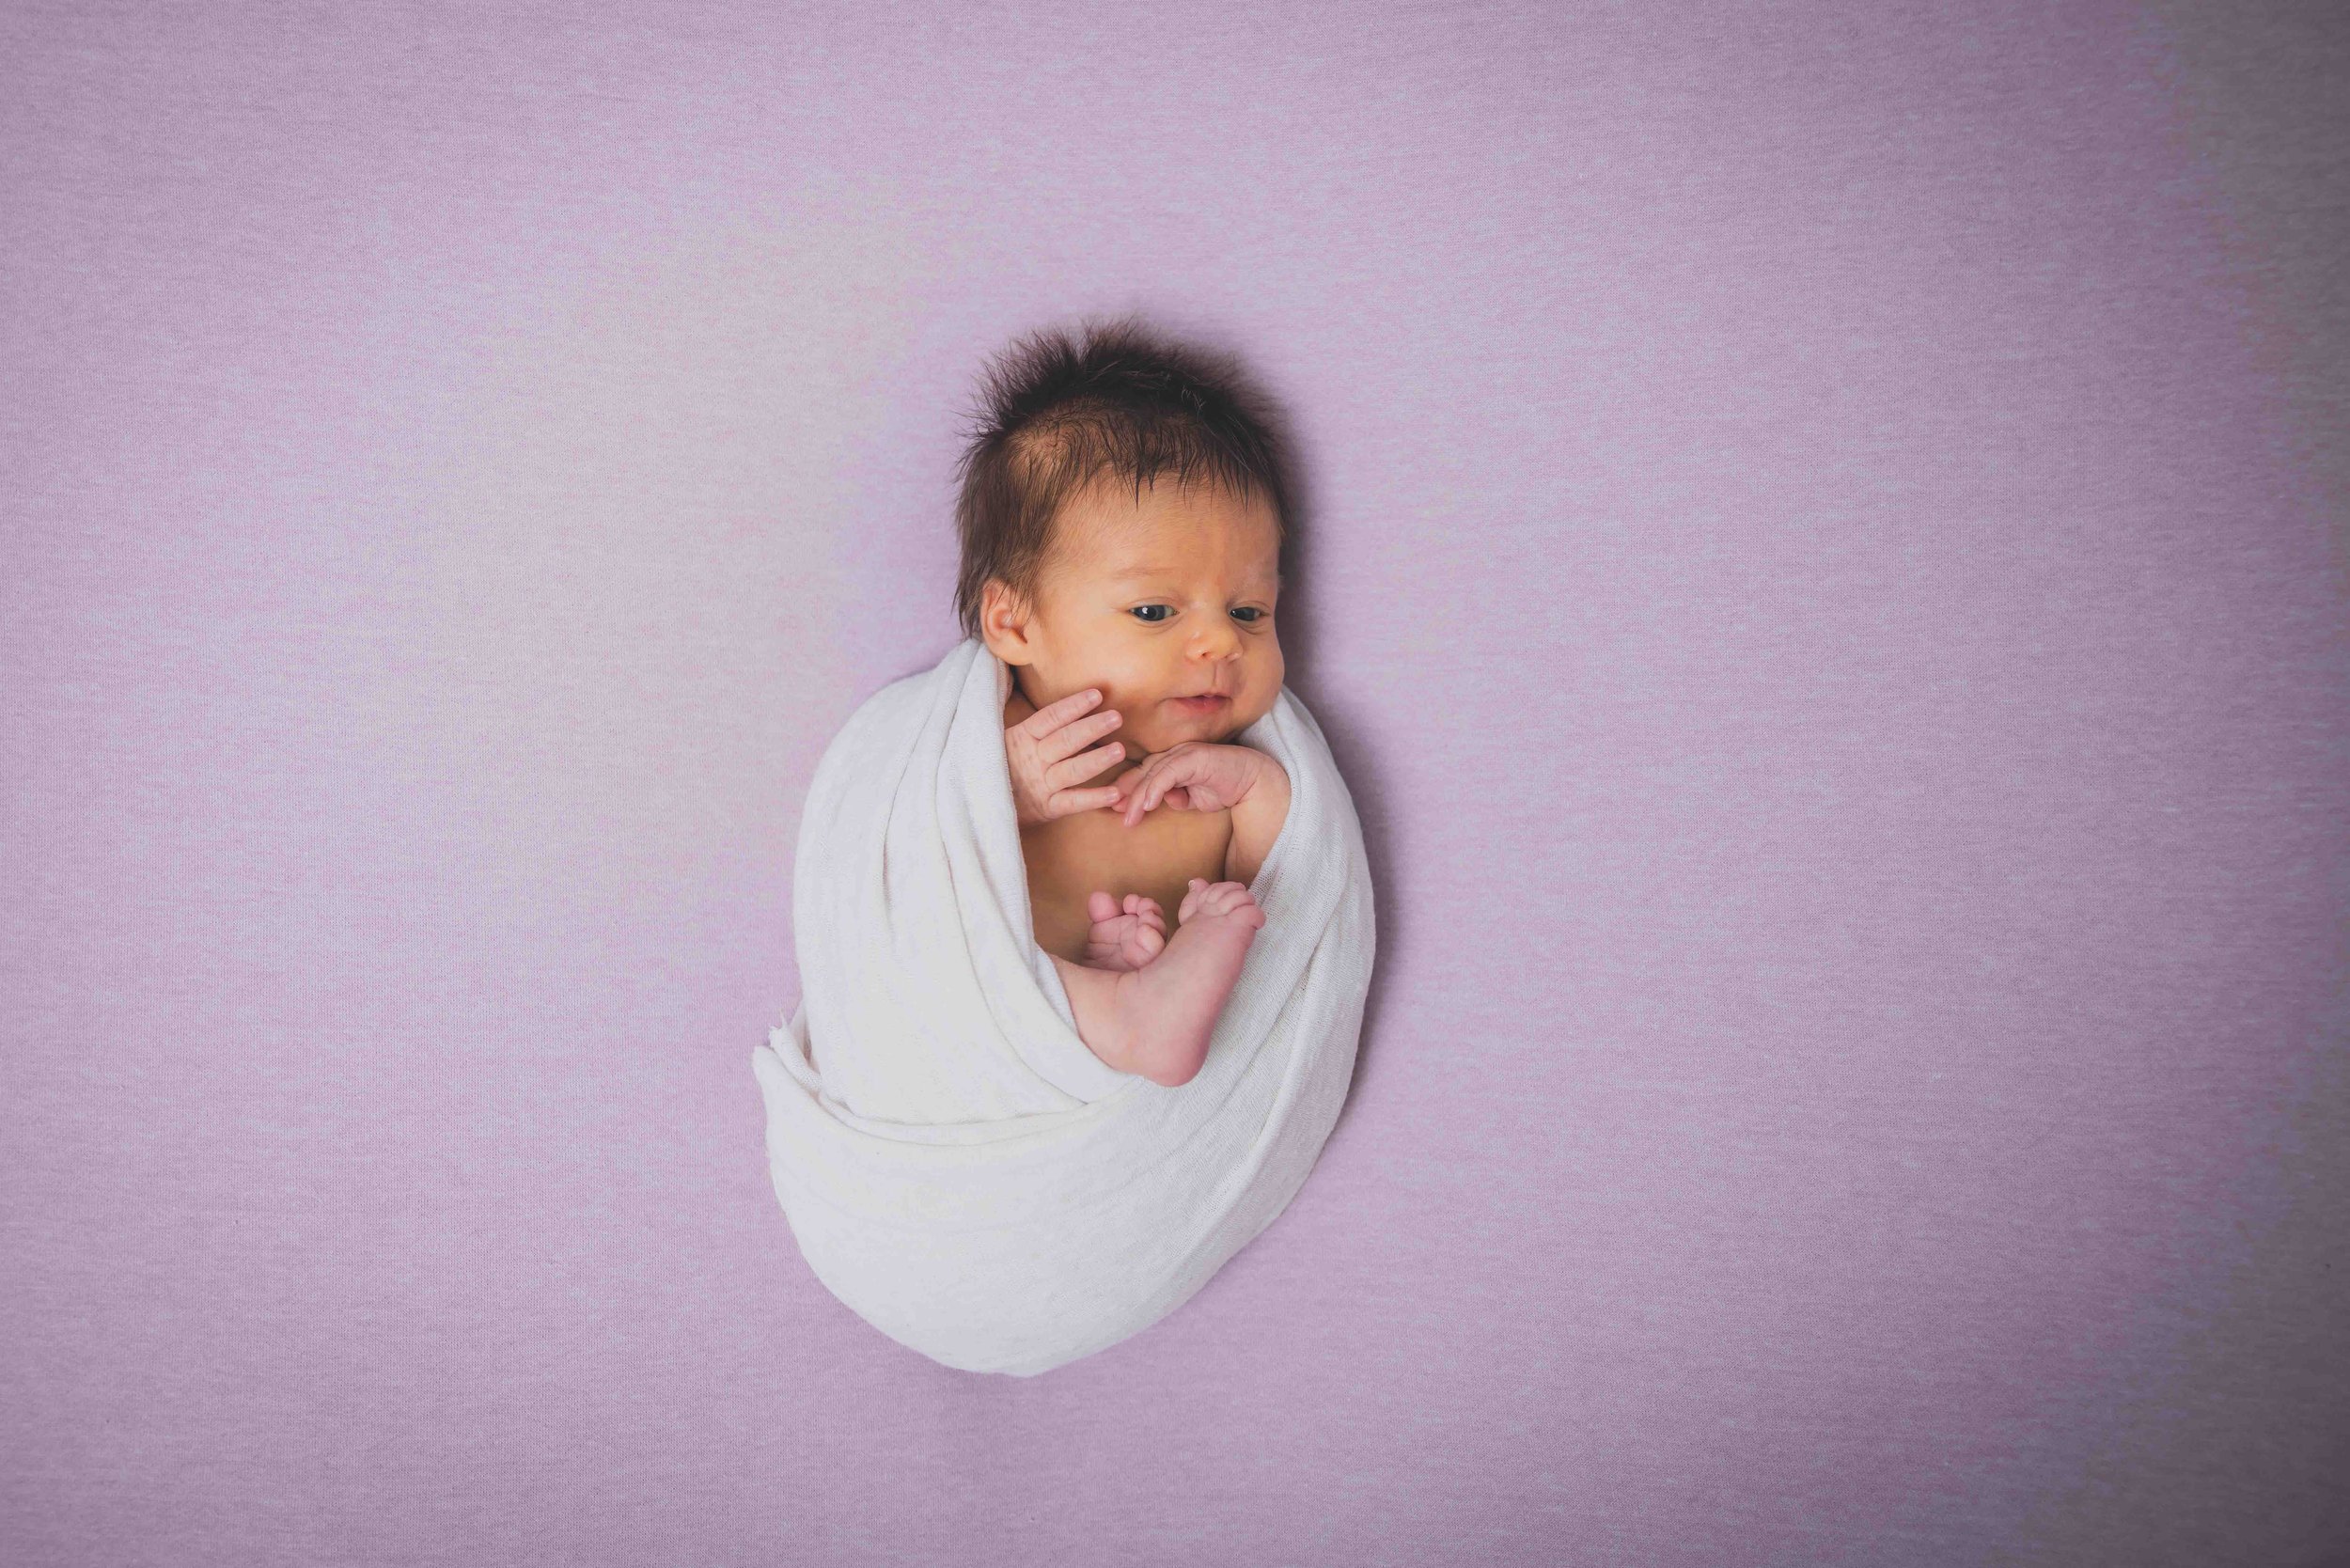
(1212, 730)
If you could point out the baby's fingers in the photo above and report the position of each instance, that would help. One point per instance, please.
(1079, 732)
(1068, 802)
(1159, 777)
(1053, 715)
(1070, 770)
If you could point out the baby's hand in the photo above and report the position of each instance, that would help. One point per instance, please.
(1126, 934)
(1193, 776)
(1043, 751)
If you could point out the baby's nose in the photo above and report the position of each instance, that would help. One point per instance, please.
(1220, 643)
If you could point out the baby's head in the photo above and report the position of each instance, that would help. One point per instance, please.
(1125, 516)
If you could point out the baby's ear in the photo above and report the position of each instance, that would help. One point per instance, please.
(1003, 619)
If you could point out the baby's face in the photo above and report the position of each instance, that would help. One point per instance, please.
(1156, 603)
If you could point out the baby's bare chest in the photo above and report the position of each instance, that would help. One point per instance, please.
(1072, 857)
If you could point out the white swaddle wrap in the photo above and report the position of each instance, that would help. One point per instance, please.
(956, 1166)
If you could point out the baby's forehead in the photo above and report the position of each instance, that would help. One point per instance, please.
(1107, 530)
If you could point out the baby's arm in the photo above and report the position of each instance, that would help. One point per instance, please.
(1256, 819)
(1195, 777)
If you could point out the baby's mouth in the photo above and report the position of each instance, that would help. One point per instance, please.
(1212, 703)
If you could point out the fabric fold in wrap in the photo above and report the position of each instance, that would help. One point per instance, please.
(956, 1165)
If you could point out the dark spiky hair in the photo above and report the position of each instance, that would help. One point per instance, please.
(1058, 412)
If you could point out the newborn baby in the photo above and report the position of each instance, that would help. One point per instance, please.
(1123, 518)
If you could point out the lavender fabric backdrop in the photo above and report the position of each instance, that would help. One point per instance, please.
(1828, 578)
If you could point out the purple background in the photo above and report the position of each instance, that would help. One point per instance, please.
(1828, 579)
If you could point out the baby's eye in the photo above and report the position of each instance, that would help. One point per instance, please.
(1151, 620)
(1250, 614)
